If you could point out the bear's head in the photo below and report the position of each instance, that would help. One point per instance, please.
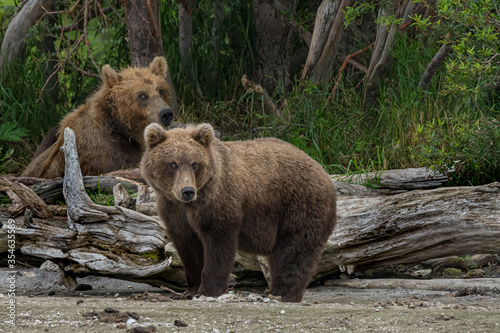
(137, 97)
(178, 162)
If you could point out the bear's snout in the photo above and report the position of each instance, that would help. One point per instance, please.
(188, 193)
(166, 116)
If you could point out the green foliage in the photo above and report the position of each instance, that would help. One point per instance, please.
(472, 27)
(9, 133)
(453, 121)
(469, 149)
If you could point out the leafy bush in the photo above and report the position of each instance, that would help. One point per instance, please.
(9, 133)
(468, 150)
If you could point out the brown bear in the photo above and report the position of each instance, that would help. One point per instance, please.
(263, 196)
(109, 127)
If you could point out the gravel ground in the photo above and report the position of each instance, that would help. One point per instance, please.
(41, 305)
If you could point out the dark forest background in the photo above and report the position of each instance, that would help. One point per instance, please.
(359, 85)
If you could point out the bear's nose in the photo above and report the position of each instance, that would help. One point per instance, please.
(187, 193)
(166, 116)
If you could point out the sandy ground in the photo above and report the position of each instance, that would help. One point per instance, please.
(41, 305)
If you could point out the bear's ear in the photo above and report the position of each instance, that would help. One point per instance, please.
(204, 134)
(159, 66)
(154, 134)
(109, 76)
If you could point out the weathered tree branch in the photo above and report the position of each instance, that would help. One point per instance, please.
(436, 62)
(268, 105)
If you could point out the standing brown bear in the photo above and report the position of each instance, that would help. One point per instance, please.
(263, 197)
(109, 127)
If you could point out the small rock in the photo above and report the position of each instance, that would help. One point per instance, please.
(142, 329)
(116, 295)
(28, 274)
(83, 287)
(49, 266)
(422, 273)
(80, 301)
(282, 311)
(225, 298)
(180, 323)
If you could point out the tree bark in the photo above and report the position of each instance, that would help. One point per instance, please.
(327, 34)
(273, 45)
(381, 56)
(13, 44)
(436, 62)
(144, 36)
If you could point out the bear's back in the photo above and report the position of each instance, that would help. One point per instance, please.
(280, 183)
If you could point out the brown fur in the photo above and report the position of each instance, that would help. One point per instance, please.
(263, 196)
(109, 127)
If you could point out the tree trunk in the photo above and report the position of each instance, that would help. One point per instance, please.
(13, 44)
(381, 56)
(436, 62)
(273, 45)
(327, 34)
(144, 36)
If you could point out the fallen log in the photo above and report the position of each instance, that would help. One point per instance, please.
(414, 226)
(23, 197)
(397, 180)
(372, 231)
(478, 285)
(51, 192)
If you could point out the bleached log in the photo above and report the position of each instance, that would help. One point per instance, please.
(414, 226)
(98, 240)
(474, 285)
(397, 180)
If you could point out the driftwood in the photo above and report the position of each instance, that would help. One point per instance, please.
(473, 285)
(398, 180)
(23, 197)
(51, 192)
(414, 226)
(373, 230)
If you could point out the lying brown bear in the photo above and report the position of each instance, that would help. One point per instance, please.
(263, 196)
(109, 127)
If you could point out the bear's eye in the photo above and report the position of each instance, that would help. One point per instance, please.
(173, 166)
(162, 92)
(195, 166)
(143, 97)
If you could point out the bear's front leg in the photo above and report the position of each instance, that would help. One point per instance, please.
(219, 253)
(190, 251)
